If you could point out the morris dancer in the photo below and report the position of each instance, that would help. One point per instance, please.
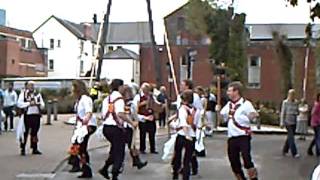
(113, 109)
(186, 136)
(238, 112)
(32, 102)
(85, 127)
(130, 132)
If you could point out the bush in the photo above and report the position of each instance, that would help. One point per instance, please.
(268, 117)
(63, 96)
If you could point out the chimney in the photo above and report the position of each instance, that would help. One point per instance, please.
(87, 31)
(95, 21)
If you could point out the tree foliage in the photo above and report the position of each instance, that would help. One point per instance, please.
(226, 31)
(284, 55)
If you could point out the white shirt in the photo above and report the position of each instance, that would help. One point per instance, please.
(84, 106)
(118, 105)
(30, 109)
(197, 103)
(241, 116)
(182, 122)
(10, 98)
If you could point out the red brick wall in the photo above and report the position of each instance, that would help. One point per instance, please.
(271, 89)
(10, 51)
(202, 73)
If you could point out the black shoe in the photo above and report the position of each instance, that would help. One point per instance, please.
(36, 152)
(194, 173)
(175, 176)
(115, 176)
(83, 176)
(86, 172)
(104, 173)
(142, 164)
(22, 152)
(154, 152)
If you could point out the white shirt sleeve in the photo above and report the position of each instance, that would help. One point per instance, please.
(41, 103)
(249, 108)
(21, 103)
(87, 104)
(104, 106)
(15, 97)
(225, 111)
(183, 115)
(135, 101)
(119, 106)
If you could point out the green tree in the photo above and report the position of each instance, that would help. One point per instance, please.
(284, 55)
(226, 31)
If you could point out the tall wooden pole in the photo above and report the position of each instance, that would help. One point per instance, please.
(305, 79)
(156, 60)
(103, 42)
(171, 64)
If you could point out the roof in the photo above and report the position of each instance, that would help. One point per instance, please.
(126, 32)
(16, 32)
(291, 31)
(118, 32)
(121, 53)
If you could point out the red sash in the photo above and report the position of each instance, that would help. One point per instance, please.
(232, 112)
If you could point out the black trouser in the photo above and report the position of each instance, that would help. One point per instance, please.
(183, 143)
(32, 123)
(236, 146)
(116, 137)
(162, 119)
(83, 150)
(150, 128)
(128, 136)
(314, 140)
(9, 114)
(290, 141)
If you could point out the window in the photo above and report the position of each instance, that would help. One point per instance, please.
(51, 65)
(13, 61)
(51, 43)
(81, 66)
(23, 43)
(254, 71)
(181, 23)
(59, 43)
(29, 44)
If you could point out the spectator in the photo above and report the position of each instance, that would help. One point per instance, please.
(315, 123)
(10, 101)
(1, 107)
(289, 112)
(211, 103)
(302, 125)
(163, 99)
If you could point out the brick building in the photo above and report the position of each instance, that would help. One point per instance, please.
(263, 64)
(182, 44)
(19, 55)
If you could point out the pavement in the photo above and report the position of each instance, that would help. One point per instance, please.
(55, 140)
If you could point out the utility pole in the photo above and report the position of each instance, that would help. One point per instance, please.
(156, 60)
(103, 42)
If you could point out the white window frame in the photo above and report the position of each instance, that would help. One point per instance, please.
(252, 85)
